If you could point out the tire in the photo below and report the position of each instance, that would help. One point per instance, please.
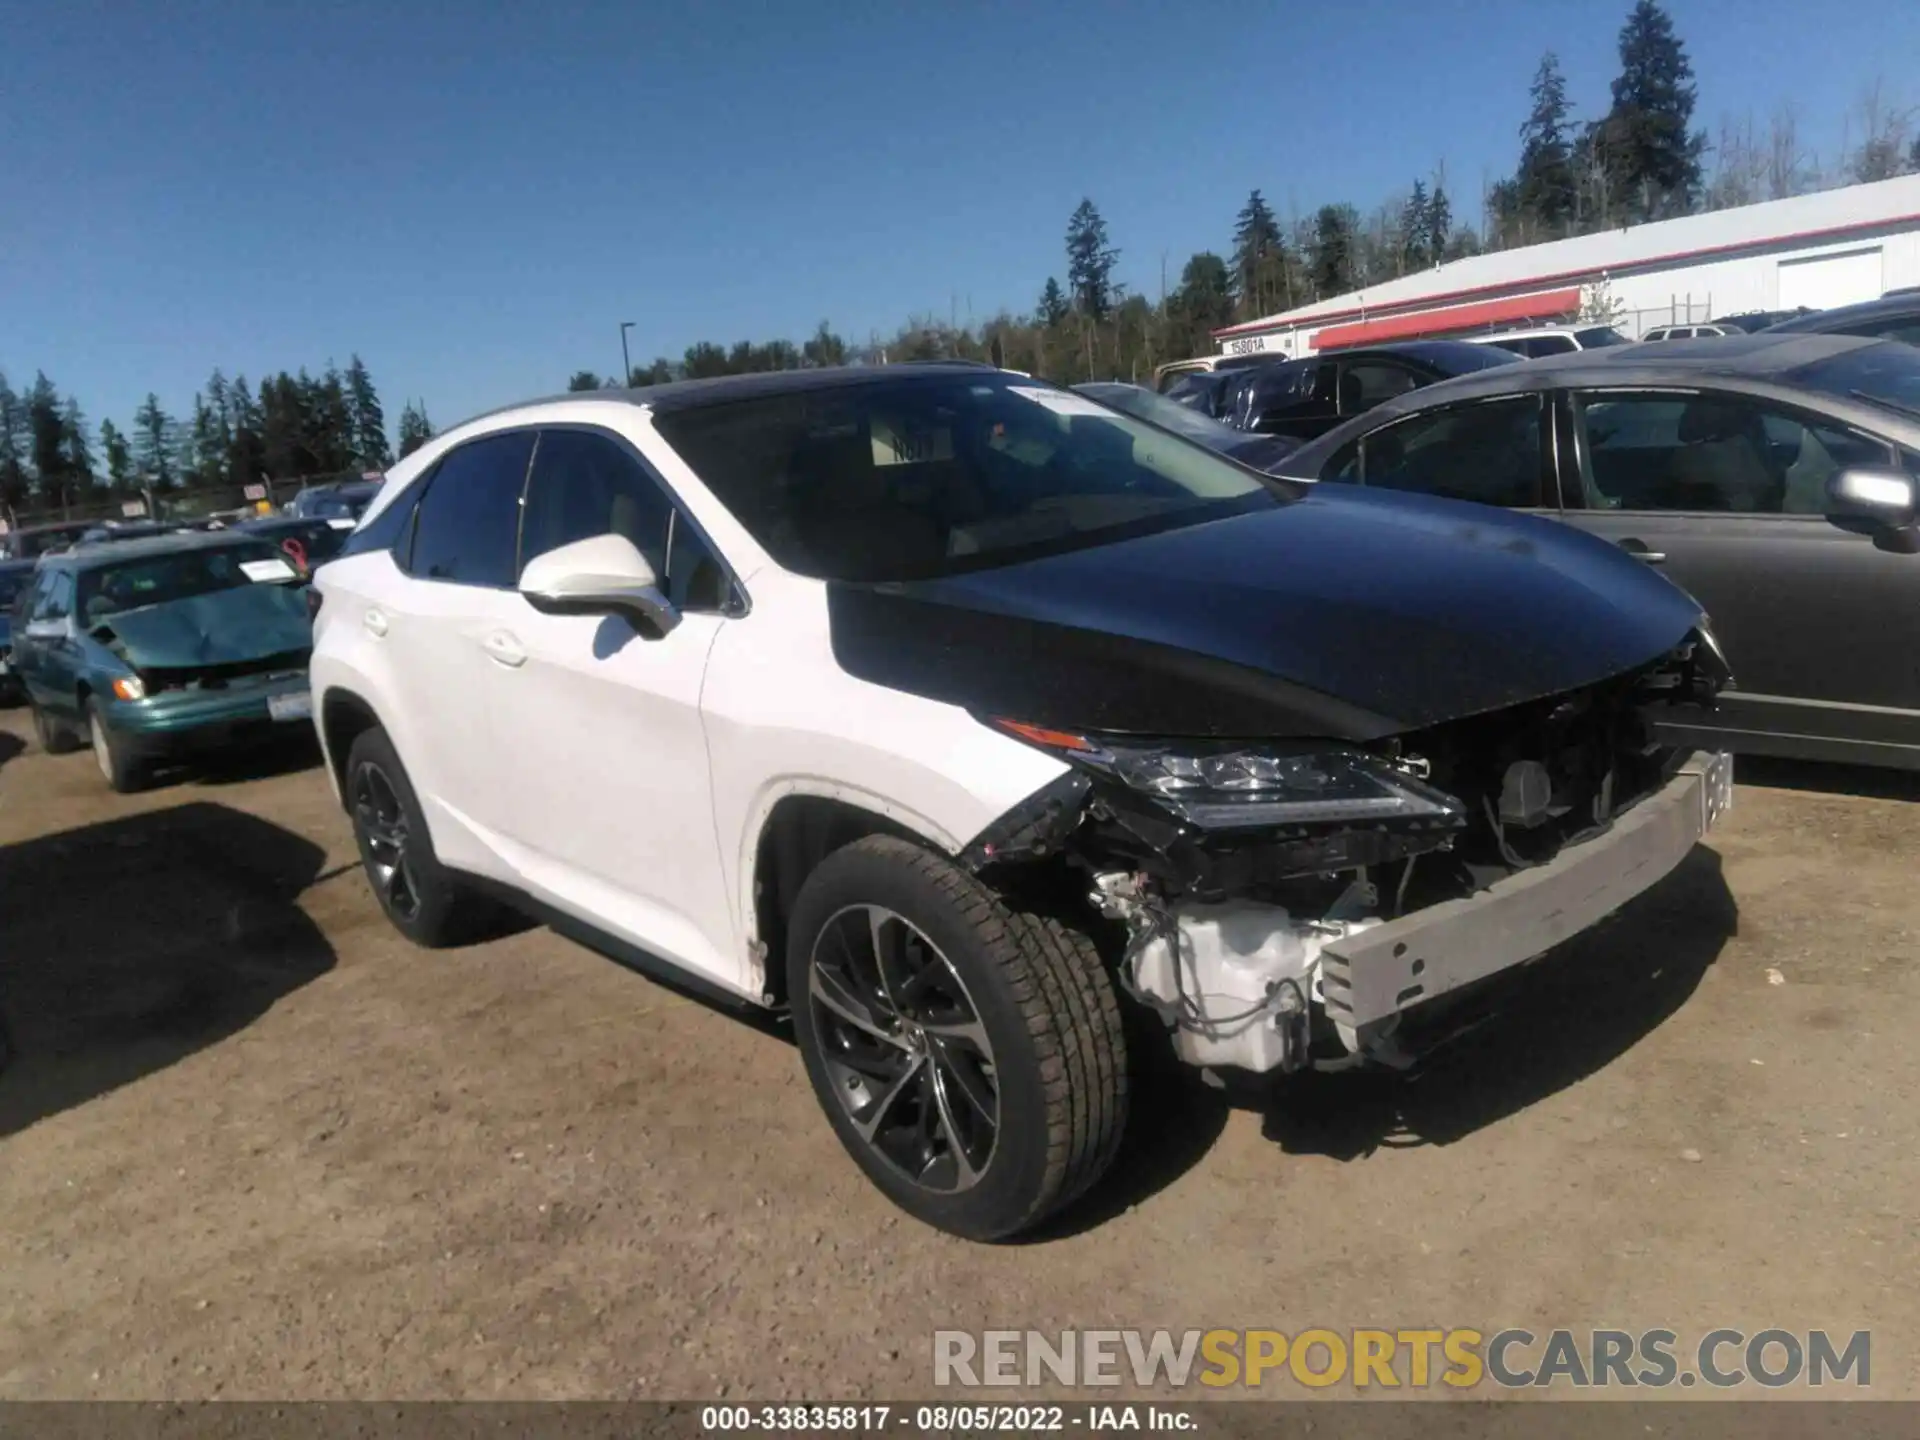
(124, 770)
(987, 1010)
(54, 737)
(426, 902)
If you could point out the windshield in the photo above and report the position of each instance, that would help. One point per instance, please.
(163, 579)
(1598, 336)
(915, 477)
(1886, 374)
(1167, 414)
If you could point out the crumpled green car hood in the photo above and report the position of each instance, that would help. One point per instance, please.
(248, 622)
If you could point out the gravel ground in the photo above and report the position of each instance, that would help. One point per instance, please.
(255, 1146)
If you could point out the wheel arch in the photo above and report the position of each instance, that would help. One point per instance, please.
(345, 716)
(799, 824)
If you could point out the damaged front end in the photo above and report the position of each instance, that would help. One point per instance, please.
(1286, 904)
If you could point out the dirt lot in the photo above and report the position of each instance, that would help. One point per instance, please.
(256, 1146)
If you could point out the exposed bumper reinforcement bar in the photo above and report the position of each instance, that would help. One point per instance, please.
(1380, 972)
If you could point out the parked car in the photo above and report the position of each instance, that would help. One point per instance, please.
(307, 543)
(347, 501)
(1165, 376)
(152, 649)
(1208, 392)
(1261, 452)
(942, 710)
(1688, 332)
(1552, 339)
(1770, 475)
(1753, 320)
(1304, 398)
(1891, 317)
(32, 541)
(15, 577)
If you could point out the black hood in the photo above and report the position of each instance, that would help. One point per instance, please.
(1348, 614)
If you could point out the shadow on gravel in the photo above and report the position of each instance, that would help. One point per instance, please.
(1552, 1024)
(282, 755)
(134, 943)
(1869, 781)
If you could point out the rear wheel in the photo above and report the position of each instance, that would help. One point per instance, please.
(122, 769)
(969, 1057)
(425, 902)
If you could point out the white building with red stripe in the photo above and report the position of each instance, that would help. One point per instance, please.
(1834, 248)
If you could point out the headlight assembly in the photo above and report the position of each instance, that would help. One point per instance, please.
(1238, 788)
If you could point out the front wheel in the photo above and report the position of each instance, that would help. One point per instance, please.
(54, 737)
(969, 1057)
(426, 902)
(122, 769)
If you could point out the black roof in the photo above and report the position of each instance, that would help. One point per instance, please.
(1892, 306)
(676, 395)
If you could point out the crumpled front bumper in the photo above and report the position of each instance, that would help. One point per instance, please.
(1376, 974)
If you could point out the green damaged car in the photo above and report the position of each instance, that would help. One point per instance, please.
(152, 650)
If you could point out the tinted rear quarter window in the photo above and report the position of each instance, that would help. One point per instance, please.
(467, 528)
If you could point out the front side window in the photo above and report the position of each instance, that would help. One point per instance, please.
(1488, 453)
(586, 483)
(1705, 453)
(466, 527)
(912, 477)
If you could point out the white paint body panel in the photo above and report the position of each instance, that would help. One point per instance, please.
(627, 781)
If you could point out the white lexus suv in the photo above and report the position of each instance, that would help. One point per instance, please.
(951, 715)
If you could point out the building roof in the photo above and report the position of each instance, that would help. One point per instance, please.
(1827, 215)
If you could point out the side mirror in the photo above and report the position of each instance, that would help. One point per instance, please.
(602, 575)
(1876, 500)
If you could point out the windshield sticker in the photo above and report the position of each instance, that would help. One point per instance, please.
(1061, 402)
(266, 570)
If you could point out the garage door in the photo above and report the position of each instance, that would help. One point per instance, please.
(1823, 281)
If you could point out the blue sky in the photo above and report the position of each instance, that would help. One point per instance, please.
(474, 195)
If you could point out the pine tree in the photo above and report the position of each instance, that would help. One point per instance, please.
(76, 446)
(1053, 309)
(1543, 185)
(1414, 254)
(1439, 223)
(1330, 259)
(246, 455)
(823, 350)
(1259, 258)
(582, 380)
(1650, 154)
(13, 448)
(1090, 262)
(1202, 304)
(206, 451)
(369, 422)
(660, 372)
(113, 447)
(415, 428)
(153, 443)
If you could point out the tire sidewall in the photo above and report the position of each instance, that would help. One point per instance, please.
(1004, 1197)
(122, 769)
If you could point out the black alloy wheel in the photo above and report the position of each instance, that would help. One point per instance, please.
(902, 1039)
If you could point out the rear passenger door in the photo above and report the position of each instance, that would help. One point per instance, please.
(608, 787)
(1726, 495)
(44, 649)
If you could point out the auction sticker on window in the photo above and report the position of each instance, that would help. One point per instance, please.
(1061, 402)
(265, 570)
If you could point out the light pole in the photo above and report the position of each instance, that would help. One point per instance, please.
(626, 365)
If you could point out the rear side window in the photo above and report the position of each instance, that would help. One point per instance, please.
(467, 528)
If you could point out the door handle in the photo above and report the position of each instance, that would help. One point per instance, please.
(375, 621)
(1638, 549)
(504, 649)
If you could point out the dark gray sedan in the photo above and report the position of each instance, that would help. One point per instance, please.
(1773, 476)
